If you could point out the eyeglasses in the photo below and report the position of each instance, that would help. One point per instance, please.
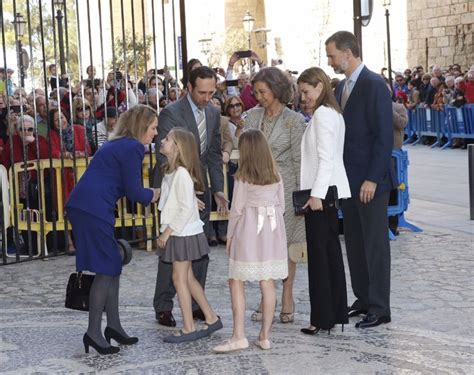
(236, 105)
(31, 130)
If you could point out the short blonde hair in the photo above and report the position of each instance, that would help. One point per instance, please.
(134, 122)
(256, 163)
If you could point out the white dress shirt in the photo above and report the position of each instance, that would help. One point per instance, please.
(322, 148)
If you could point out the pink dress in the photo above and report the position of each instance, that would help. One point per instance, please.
(258, 249)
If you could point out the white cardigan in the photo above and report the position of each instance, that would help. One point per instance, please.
(322, 148)
(178, 204)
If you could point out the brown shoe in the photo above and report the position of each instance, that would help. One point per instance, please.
(165, 318)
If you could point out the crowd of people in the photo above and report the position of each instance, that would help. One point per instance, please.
(310, 134)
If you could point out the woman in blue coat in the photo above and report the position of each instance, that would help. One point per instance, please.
(114, 172)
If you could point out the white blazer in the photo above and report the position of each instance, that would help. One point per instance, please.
(322, 147)
(178, 204)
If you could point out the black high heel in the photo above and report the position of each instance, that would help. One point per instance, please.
(111, 333)
(342, 327)
(89, 342)
(310, 331)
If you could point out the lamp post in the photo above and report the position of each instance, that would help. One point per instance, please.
(248, 22)
(59, 17)
(19, 24)
(386, 4)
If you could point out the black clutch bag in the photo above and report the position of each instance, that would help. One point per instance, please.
(300, 197)
(77, 291)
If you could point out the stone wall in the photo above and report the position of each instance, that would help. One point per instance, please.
(440, 32)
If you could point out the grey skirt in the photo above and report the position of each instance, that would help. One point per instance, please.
(179, 249)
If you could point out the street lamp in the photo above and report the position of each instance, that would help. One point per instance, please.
(59, 17)
(248, 22)
(19, 24)
(386, 4)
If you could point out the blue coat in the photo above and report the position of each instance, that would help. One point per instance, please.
(369, 133)
(114, 172)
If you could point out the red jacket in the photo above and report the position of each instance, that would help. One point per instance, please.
(18, 150)
(469, 92)
(80, 141)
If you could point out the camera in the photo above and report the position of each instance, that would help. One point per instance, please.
(232, 82)
(244, 54)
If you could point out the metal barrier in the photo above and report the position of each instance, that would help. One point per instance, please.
(49, 217)
(448, 124)
(400, 158)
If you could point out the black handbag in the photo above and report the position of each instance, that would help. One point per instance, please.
(300, 197)
(77, 291)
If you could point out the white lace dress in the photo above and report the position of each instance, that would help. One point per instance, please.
(258, 249)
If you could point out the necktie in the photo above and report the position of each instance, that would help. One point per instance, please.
(201, 124)
(345, 94)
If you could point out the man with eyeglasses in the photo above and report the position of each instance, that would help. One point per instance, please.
(399, 85)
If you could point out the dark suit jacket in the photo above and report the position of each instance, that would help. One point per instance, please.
(180, 113)
(369, 135)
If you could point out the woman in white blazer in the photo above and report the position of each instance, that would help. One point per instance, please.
(322, 167)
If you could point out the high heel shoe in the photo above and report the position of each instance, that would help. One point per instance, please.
(89, 342)
(288, 317)
(111, 333)
(310, 331)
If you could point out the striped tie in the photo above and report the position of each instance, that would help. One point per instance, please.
(201, 124)
(345, 94)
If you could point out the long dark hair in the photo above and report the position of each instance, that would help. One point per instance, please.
(313, 76)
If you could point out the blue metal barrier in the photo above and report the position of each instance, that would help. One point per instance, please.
(410, 129)
(451, 123)
(400, 158)
(468, 113)
(456, 125)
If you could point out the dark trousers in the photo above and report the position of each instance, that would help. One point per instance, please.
(164, 289)
(327, 281)
(368, 252)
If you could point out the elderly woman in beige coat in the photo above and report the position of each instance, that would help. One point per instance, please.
(283, 129)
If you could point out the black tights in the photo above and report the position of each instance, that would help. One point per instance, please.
(104, 295)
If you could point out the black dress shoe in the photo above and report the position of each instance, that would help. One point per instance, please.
(310, 331)
(165, 318)
(372, 320)
(213, 243)
(111, 333)
(199, 315)
(351, 312)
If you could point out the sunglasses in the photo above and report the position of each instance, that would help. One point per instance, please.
(236, 105)
(17, 108)
(31, 130)
(80, 109)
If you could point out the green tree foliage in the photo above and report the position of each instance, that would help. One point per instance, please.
(51, 49)
(134, 54)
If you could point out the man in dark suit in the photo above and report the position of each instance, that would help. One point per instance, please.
(367, 110)
(194, 113)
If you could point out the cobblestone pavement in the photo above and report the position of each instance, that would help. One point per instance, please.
(431, 329)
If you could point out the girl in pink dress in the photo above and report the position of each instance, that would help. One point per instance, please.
(256, 237)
